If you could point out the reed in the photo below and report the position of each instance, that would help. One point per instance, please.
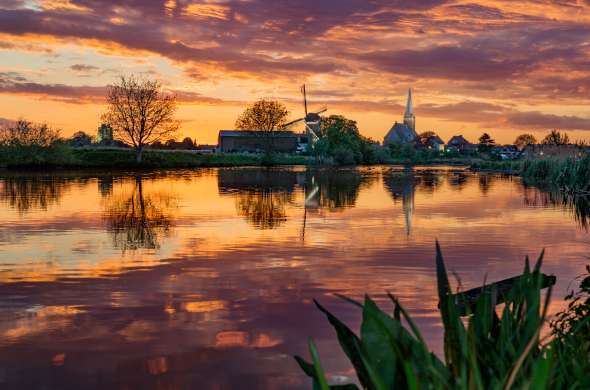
(492, 349)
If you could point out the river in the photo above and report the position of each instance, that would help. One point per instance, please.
(205, 278)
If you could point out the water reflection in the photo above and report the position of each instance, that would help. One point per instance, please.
(260, 195)
(334, 189)
(221, 295)
(136, 219)
(25, 194)
(577, 205)
(402, 186)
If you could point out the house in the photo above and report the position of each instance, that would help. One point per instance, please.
(459, 144)
(257, 141)
(432, 142)
(506, 152)
(206, 149)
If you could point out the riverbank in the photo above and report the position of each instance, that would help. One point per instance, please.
(570, 175)
(63, 157)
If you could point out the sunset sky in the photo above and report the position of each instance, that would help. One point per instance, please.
(505, 67)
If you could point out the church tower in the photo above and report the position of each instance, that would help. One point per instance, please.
(409, 117)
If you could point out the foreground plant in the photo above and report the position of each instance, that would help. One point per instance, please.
(488, 352)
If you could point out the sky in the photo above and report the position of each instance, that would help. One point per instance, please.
(504, 67)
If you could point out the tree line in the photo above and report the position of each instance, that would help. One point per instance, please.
(141, 114)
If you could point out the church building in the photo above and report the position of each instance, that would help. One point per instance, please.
(403, 132)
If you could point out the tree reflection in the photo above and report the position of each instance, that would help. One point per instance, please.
(265, 209)
(334, 189)
(578, 205)
(457, 180)
(261, 195)
(485, 182)
(139, 220)
(32, 193)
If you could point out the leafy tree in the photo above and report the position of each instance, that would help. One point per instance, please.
(343, 139)
(556, 138)
(25, 133)
(486, 142)
(80, 139)
(170, 143)
(523, 140)
(140, 113)
(265, 115)
(188, 143)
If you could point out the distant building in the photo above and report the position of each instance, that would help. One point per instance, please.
(506, 152)
(256, 141)
(104, 134)
(458, 143)
(405, 132)
(432, 142)
(206, 149)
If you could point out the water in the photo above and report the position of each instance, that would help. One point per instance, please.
(205, 278)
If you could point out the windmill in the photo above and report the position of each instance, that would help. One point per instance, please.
(312, 120)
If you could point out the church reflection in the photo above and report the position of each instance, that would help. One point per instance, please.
(402, 187)
(138, 219)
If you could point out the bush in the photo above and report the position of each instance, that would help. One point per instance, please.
(343, 155)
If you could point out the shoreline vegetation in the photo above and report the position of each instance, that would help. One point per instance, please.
(569, 175)
(485, 347)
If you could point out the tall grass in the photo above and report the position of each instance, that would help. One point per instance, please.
(569, 174)
(492, 349)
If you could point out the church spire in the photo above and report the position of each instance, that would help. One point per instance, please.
(409, 104)
(409, 117)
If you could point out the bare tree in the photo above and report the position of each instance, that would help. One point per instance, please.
(25, 133)
(140, 112)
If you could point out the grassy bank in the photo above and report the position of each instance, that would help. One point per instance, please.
(570, 175)
(63, 157)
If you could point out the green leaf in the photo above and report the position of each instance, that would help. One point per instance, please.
(317, 367)
(350, 343)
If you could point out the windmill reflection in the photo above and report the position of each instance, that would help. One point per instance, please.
(334, 189)
(33, 193)
(139, 220)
